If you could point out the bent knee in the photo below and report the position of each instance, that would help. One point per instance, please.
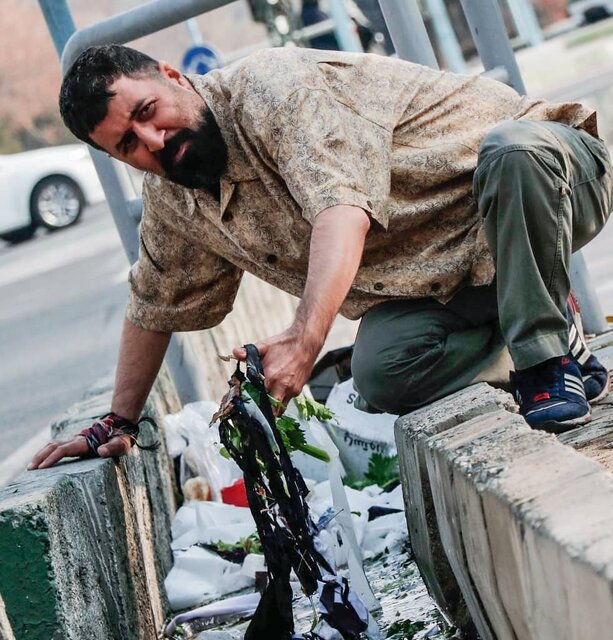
(514, 135)
(396, 381)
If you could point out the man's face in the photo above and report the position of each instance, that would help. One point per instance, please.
(160, 124)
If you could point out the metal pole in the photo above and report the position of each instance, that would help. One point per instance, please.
(344, 29)
(135, 23)
(525, 20)
(194, 32)
(489, 33)
(181, 359)
(446, 36)
(408, 31)
(594, 320)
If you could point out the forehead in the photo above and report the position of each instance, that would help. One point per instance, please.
(129, 92)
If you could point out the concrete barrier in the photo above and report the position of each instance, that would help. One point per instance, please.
(412, 435)
(85, 545)
(510, 527)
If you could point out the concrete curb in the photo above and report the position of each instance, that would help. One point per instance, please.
(86, 545)
(519, 524)
(412, 433)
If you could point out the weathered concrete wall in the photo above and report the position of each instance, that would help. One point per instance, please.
(85, 546)
(508, 524)
(412, 435)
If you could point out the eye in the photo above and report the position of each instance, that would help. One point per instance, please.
(146, 112)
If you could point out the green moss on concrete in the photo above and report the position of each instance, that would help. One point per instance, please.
(26, 582)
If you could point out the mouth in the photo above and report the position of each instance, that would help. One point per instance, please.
(180, 153)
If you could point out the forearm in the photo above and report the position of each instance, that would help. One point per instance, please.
(337, 244)
(141, 354)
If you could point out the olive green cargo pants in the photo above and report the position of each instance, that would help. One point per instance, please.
(545, 190)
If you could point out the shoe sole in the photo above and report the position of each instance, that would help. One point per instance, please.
(562, 427)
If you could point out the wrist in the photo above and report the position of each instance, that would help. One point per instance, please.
(310, 338)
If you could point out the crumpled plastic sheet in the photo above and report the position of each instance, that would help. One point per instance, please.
(189, 436)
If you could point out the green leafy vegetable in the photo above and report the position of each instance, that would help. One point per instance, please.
(308, 409)
(236, 552)
(406, 629)
(294, 440)
(382, 471)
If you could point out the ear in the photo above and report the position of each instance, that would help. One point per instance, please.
(168, 71)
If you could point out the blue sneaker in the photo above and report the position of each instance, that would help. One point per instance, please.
(595, 380)
(595, 375)
(551, 395)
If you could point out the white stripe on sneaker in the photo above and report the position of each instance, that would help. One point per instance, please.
(549, 406)
(574, 386)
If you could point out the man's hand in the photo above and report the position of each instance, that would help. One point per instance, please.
(288, 360)
(53, 452)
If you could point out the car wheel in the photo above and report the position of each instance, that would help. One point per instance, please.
(19, 235)
(56, 202)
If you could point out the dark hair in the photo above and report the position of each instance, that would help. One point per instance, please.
(84, 96)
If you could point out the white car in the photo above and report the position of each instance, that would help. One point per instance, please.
(46, 187)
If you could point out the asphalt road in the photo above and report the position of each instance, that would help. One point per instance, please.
(62, 298)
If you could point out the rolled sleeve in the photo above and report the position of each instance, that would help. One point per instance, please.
(329, 155)
(177, 285)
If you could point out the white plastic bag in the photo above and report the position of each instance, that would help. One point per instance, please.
(200, 453)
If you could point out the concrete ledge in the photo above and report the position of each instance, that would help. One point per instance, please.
(85, 545)
(412, 433)
(524, 523)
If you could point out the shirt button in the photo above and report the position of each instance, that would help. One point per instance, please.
(271, 259)
(435, 286)
(378, 286)
(227, 216)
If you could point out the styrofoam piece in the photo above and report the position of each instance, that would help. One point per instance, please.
(358, 434)
(243, 605)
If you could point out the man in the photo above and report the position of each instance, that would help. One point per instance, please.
(441, 208)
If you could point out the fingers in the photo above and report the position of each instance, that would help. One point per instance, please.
(56, 451)
(42, 455)
(241, 354)
(115, 447)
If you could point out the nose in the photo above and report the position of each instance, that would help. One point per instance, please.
(150, 136)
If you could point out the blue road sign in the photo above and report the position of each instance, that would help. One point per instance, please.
(201, 59)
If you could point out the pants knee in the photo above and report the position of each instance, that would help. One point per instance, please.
(397, 381)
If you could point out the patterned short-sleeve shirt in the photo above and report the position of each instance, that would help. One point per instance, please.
(307, 130)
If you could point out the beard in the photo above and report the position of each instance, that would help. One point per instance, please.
(203, 161)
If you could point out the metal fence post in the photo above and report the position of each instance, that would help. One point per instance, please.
(181, 359)
(525, 21)
(343, 27)
(490, 36)
(446, 36)
(408, 31)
